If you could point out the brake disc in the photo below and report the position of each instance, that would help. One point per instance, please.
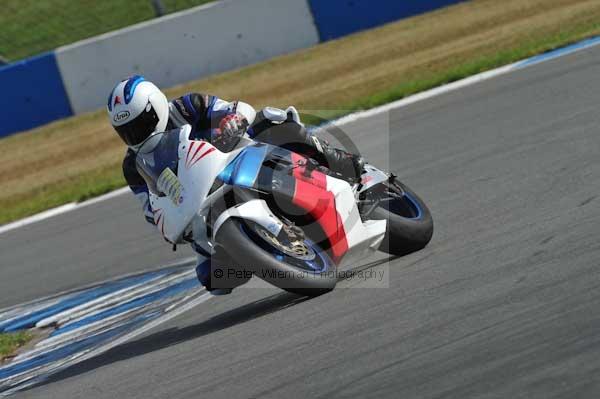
(294, 247)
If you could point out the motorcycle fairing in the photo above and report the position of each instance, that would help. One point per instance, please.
(171, 216)
(274, 171)
(243, 170)
(329, 201)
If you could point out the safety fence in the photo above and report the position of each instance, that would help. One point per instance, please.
(180, 47)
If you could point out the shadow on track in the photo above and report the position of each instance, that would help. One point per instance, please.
(372, 264)
(173, 336)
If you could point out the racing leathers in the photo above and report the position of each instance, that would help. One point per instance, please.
(206, 114)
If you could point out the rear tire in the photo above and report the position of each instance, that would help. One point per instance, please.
(233, 236)
(405, 235)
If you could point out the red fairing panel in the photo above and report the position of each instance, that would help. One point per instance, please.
(311, 194)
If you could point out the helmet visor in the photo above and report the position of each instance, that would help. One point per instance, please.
(138, 130)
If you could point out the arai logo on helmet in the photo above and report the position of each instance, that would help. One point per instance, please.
(121, 116)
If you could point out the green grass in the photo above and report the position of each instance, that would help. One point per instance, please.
(430, 80)
(29, 27)
(473, 67)
(9, 343)
(80, 188)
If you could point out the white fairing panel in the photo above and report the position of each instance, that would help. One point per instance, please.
(372, 177)
(199, 164)
(362, 238)
(255, 210)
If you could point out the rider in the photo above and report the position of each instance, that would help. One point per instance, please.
(137, 108)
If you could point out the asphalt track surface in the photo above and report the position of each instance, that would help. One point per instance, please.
(504, 302)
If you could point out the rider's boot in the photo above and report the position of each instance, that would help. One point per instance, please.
(349, 166)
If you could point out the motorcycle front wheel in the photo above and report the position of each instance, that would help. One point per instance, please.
(297, 265)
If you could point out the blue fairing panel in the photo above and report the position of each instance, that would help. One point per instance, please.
(243, 170)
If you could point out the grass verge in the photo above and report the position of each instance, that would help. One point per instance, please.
(80, 157)
(9, 343)
(29, 27)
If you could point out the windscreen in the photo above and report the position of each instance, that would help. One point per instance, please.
(156, 154)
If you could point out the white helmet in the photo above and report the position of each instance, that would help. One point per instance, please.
(137, 108)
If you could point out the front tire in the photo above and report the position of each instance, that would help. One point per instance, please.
(252, 252)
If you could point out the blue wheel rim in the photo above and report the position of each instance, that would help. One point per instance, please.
(322, 263)
(406, 207)
(413, 203)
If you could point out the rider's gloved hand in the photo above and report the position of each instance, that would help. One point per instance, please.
(233, 125)
(231, 128)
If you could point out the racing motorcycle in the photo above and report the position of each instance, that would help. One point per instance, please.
(270, 212)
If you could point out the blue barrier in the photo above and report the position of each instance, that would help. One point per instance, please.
(336, 18)
(32, 94)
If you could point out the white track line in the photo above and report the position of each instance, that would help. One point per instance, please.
(585, 44)
(110, 299)
(177, 310)
(38, 217)
(459, 84)
(60, 296)
(60, 210)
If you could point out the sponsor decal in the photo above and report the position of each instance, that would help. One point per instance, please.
(117, 100)
(191, 160)
(169, 184)
(121, 116)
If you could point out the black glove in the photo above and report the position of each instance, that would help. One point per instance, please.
(231, 129)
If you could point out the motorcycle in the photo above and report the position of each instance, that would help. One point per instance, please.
(273, 213)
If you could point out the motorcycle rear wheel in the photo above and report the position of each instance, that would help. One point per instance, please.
(410, 225)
